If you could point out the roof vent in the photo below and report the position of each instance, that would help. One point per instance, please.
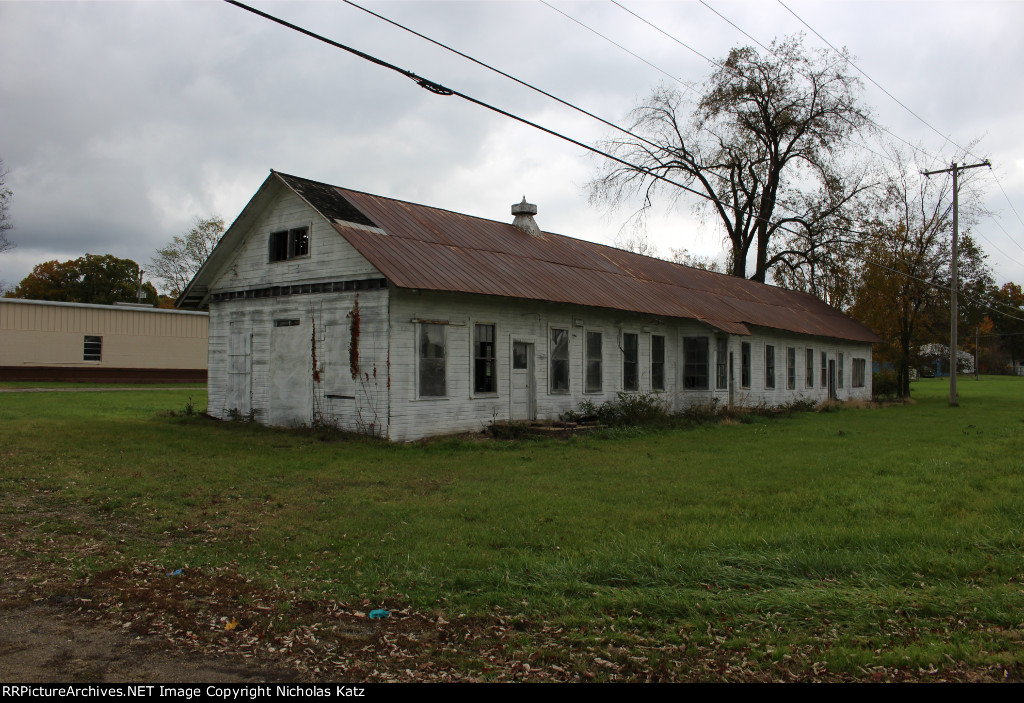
(524, 213)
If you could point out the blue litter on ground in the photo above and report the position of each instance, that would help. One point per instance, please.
(379, 614)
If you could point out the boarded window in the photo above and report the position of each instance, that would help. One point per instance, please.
(484, 380)
(432, 361)
(630, 362)
(658, 362)
(745, 364)
(809, 368)
(791, 368)
(695, 364)
(93, 350)
(769, 366)
(289, 244)
(559, 361)
(721, 363)
(594, 361)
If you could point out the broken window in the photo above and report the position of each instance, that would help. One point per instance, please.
(695, 364)
(769, 366)
(630, 362)
(93, 349)
(657, 362)
(559, 361)
(594, 360)
(432, 361)
(289, 244)
(484, 380)
(791, 368)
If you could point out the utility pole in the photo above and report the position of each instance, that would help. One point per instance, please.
(954, 274)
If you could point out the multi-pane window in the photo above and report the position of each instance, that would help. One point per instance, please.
(432, 360)
(559, 360)
(289, 244)
(769, 366)
(809, 368)
(859, 369)
(824, 370)
(657, 362)
(839, 370)
(745, 364)
(630, 362)
(484, 365)
(695, 364)
(594, 359)
(721, 361)
(790, 368)
(93, 350)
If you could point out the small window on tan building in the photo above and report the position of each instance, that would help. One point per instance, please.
(93, 349)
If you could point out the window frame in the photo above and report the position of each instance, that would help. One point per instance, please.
(551, 361)
(809, 367)
(589, 358)
(691, 374)
(628, 364)
(422, 327)
(769, 366)
(291, 237)
(791, 368)
(859, 373)
(746, 370)
(658, 365)
(824, 370)
(839, 370)
(721, 363)
(476, 359)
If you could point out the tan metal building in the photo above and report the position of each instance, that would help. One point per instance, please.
(49, 341)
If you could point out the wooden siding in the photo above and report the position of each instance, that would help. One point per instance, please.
(331, 258)
(461, 410)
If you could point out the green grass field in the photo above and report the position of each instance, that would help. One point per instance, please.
(858, 543)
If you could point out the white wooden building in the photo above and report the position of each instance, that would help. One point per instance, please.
(382, 316)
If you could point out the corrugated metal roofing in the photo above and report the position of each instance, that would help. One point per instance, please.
(416, 246)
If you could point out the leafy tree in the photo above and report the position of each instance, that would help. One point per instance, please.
(5, 213)
(177, 263)
(1006, 327)
(763, 146)
(902, 291)
(88, 279)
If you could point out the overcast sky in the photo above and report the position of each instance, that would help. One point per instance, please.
(121, 121)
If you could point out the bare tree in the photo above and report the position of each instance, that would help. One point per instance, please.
(762, 148)
(5, 214)
(177, 263)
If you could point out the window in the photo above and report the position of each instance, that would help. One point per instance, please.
(657, 362)
(593, 381)
(520, 356)
(432, 361)
(769, 366)
(790, 368)
(839, 370)
(745, 364)
(93, 349)
(559, 361)
(695, 363)
(630, 362)
(809, 368)
(484, 380)
(289, 244)
(824, 370)
(858, 372)
(721, 361)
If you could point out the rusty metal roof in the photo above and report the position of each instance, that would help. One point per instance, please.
(416, 246)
